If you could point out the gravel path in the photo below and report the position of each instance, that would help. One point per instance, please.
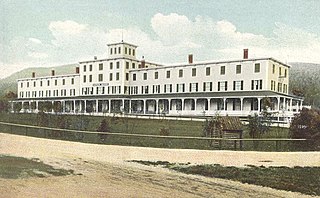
(105, 172)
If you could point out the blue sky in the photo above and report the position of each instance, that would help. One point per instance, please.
(54, 32)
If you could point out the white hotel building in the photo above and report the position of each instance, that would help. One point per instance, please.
(122, 83)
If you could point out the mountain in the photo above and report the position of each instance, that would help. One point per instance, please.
(305, 78)
(9, 83)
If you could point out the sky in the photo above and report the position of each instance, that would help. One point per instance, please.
(43, 33)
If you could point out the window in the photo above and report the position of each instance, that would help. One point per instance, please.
(168, 74)
(222, 70)
(133, 52)
(285, 72)
(257, 67)
(63, 81)
(21, 85)
(133, 65)
(119, 50)
(256, 84)
(27, 84)
(84, 68)
(134, 77)
(156, 89)
(273, 68)
(125, 50)
(180, 73)
(90, 78)
(34, 84)
(115, 50)
(127, 76)
(280, 71)
(111, 65)
(156, 75)
(90, 67)
(110, 50)
(238, 85)
(207, 71)
(110, 77)
(127, 65)
(118, 65)
(101, 66)
(193, 87)
(279, 87)
(72, 81)
(238, 69)
(56, 82)
(48, 82)
(168, 88)
(41, 83)
(180, 88)
(285, 88)
(117, 76)
(129, 51)
(145, 76)
(207, 86)
(223, 86)
(194, 71)
(100, 78)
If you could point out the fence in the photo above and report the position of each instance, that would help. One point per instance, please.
(160, 141)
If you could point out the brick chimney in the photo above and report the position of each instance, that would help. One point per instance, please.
(52, 73)
(77, 70)
(245, 53)
(33, 74)
(190, 58)
(143, 62)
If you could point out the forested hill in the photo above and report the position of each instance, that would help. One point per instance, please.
(304, 79)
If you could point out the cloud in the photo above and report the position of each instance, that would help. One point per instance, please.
(174, 36)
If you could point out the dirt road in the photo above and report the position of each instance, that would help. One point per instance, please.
(103, 171)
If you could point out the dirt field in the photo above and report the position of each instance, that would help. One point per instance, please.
(103, 171)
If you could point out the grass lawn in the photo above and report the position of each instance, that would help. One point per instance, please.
(18, 167)
(305, 180)
(138, 126)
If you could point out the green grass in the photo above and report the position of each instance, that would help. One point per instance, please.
(138, 126)
(305, 180)
(18, 167)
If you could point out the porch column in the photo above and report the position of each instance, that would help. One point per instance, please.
(74, 106)
(63, 102)
(284, 104)
(278, 108)
(144, 106)
(259, 102)
(130, 110)
(97, 106)
(85, 106)
(208, 103)
(225, 104)
(52, 106)
(241, 104)
(37, 105)
(290, 108)
(195, 104)
(109, 106)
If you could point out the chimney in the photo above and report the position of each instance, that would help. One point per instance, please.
(33, 74)
(77, 70)
(143, 62)
(95, 58)
(52, 73)
(190, 58)
(245, 53)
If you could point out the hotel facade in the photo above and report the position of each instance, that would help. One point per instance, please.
(123, 84)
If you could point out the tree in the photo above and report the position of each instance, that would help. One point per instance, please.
(103, 127)
(306, 125)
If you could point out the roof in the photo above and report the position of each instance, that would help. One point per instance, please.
(111, 44)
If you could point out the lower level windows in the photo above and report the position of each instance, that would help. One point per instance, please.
(207, 86)
(180, 88)
(238, 85)
(222, 86)
(256, 84)
(193, 87)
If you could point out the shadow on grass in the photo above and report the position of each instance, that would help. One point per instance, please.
(18, 167)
